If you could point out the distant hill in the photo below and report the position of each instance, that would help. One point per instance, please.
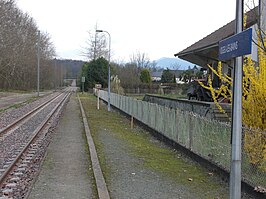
(73, 67)
(173, 63)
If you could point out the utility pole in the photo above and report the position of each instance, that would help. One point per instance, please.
(55, 74)
(60, 76)
(38, 64)
(235, 172)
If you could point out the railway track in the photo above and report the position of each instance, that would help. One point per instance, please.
(27, 115)
(23, 144)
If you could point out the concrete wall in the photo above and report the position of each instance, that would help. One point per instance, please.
(205, 109)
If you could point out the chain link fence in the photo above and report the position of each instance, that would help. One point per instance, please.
(209, 139)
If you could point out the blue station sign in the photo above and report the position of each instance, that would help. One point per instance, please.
(236, 45)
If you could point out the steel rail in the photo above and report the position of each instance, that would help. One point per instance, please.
(35, 134)
(27, 115)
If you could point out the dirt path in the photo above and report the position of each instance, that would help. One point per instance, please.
(66, 171)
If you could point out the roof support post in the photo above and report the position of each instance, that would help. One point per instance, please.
(262, 13)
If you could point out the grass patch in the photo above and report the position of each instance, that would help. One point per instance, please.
(18, 105)
(16, 91)
(154, 155)
(48, 163)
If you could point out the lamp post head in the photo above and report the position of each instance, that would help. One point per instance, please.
(99, 30)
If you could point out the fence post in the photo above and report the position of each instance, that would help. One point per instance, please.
(131, 113)
(132, 122)
(177, 122)
(190, 133)
(98, 99)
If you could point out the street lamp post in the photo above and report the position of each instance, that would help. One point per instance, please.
(109, 78)
(55, 74)
(38, 64)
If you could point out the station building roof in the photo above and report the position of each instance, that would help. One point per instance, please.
(206, 49)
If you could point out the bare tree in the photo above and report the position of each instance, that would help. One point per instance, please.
(18, 36)
(259, 13)
(96, 45)
(140, 60)
(128, 74)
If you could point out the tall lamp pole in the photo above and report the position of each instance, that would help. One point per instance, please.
(38, 65)
(109, 78)
(55, 74)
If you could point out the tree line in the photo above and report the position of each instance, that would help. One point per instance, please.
(135, 73)
(18, 39)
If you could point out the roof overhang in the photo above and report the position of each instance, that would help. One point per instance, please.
(201, 56)
(206, 50)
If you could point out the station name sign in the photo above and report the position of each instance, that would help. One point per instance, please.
(236, 45)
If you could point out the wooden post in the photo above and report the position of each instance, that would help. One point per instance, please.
(98, 100)
(132, 122)
(177, 123)
(190, 133)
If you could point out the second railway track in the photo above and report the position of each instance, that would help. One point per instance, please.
(23, 142)
(27, 115)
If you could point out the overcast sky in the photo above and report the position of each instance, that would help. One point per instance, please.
(159, 28)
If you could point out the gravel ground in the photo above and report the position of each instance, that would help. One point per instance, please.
(129, 179)
(65, 170)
